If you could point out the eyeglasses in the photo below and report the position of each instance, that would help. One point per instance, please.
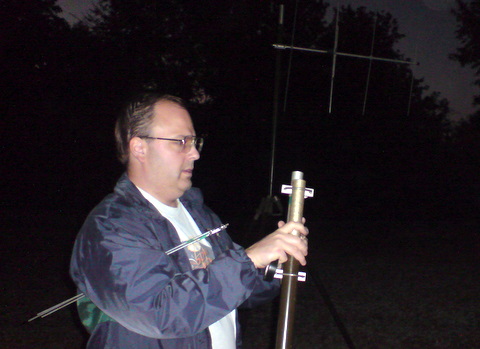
(186, 143)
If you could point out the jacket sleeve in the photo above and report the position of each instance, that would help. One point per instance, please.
(263, 292)
(134, 282)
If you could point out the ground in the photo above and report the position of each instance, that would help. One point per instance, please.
(391, 285)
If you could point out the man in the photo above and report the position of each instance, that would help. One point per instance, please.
(140, 297)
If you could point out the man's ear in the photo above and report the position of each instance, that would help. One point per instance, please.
(138, 148)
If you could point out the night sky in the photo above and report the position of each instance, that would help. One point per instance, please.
(430, 38)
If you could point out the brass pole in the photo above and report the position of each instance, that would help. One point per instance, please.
(286, 317)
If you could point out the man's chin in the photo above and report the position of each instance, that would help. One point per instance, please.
(186, 184)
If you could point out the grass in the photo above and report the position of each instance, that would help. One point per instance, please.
(415, 287)
(405, 292)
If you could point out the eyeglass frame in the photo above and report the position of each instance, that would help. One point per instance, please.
(195, 141)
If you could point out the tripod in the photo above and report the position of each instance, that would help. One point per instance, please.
(270, 207)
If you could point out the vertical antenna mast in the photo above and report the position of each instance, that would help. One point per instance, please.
(334, 63)
(369, 65)
(276, 93)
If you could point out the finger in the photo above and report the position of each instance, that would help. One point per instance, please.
(296, 247)
(280, 224)
(283, 257)
(291, 226)
(304, 239)
(298, 255)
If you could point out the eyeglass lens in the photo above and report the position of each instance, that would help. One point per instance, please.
(190, 141)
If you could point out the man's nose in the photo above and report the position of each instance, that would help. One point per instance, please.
(193, 153)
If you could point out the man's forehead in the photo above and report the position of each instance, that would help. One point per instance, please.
(168, 109)
(170, 114)
(167, 104)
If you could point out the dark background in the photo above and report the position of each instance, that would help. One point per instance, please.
(62, 85)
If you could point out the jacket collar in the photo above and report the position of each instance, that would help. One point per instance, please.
(191, 199)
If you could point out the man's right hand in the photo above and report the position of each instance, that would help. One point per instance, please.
(279, 244)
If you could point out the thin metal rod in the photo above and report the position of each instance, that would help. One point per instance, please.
(369, 65)
(284, 47)
(184, 244)
(196, 239)
(334, 63)
(59, 306)
(289, 69)
(411, 87)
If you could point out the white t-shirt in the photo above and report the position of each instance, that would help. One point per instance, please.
(200, 254)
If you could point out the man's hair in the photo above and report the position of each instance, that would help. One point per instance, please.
(136, 118)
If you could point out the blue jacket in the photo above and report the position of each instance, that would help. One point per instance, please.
(157, 300)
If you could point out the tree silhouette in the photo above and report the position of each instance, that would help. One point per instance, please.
(467, 133)
(371, 164)
(468, 32)
(65, 86)
(32, 90)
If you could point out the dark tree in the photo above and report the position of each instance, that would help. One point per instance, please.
(32, 37)
(219, 55)
(468, 32)
(467, 133)
(380, 163)
(32, 90)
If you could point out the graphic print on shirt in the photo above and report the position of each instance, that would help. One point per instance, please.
(199, 255)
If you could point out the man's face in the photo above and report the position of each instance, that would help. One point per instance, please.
(168, 168)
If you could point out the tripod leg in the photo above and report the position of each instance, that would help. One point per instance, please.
(331, 307)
